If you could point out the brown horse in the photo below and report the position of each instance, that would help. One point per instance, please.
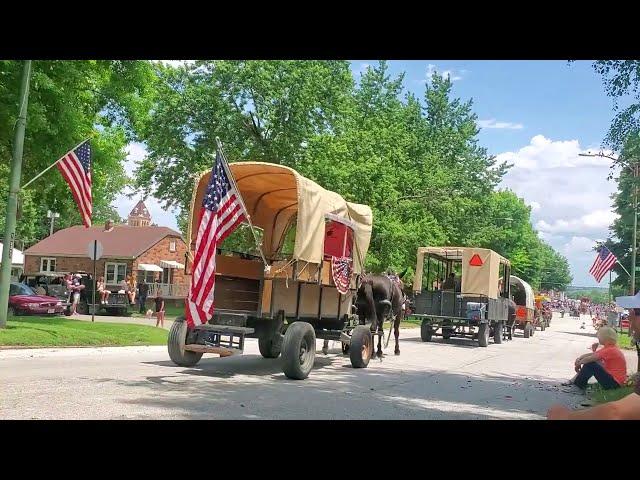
(380, 297)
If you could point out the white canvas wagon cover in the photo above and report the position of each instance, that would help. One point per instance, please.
(529, 301)
(276, 196)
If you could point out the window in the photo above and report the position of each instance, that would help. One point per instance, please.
(115, 273)
(172, 246)
(47, 264)
(146, 277)
(20, 289)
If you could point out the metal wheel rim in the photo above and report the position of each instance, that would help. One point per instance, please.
(366, 348)
(304, 349)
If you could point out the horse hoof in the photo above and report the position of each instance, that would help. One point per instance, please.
(325, 350)
(379, 354)
(396, 352)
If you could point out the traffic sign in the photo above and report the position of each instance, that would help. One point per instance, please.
(94, 246)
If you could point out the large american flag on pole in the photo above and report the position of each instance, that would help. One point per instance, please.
(75, 167)
(603, 263)
(222, 211)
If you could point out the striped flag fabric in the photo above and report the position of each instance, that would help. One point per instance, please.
(603, 263)
(221, 213)
(75, 167)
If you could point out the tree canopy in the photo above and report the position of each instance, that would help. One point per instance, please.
(70, 101)
(416, 160)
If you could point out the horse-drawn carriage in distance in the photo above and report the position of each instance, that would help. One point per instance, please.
(475, 305)
(314, 243)
(525, 308)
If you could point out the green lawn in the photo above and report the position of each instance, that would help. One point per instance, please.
(599, 395)
(624, 341)
(56, 332)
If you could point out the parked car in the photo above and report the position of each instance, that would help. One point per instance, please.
(51, 284)
(24, 301)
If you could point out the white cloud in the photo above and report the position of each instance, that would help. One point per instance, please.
(165, 218)
(431, 69)
(135, 153)
(578, 244)
(492, 123)
(569, 196)
(595, 221)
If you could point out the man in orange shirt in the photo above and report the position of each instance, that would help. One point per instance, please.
(607, 365)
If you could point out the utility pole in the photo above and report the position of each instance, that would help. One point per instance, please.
(635, 228)
(52, 216)
(14, 190)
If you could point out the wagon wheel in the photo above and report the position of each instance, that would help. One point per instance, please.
(176, 342)
(361, 348)
(298, 350)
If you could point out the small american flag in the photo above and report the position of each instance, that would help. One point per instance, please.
(222, 211)
(75, 167)
(603, 263)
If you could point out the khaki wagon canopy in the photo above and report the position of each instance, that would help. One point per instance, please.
(277, 196)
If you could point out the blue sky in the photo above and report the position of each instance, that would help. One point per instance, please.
(538, 115)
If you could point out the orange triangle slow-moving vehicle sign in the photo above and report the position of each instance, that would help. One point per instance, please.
(476, 261)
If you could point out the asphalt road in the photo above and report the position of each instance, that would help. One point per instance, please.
(519, 379)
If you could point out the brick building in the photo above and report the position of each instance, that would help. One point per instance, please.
(155, 254)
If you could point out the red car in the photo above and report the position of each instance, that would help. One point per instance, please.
(24, 301)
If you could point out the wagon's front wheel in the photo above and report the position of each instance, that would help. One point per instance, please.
(426, 332)
(176, 342)
(361, 346)
(298, 350)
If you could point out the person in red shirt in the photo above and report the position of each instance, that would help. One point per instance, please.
(607, 364)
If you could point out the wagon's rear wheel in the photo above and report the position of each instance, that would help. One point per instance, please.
(298, 350)
(270, 346)
(426, 332)
(176, 342)
(361, 346)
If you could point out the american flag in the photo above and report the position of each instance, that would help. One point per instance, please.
(75, 167)
(222, 211)
(603, 263)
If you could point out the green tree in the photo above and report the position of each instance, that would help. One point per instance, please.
(68, 102)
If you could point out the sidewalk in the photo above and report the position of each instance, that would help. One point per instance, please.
(132, 320)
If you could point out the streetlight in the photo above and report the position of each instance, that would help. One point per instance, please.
(635, 213)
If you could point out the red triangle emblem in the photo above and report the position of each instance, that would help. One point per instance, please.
(476, 261)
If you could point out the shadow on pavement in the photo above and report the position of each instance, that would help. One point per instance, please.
(253, 387)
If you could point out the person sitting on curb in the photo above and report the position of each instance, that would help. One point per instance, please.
(607, 364)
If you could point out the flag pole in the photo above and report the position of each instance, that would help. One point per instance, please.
(232, 178)
(51, 166)
(625, 270)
